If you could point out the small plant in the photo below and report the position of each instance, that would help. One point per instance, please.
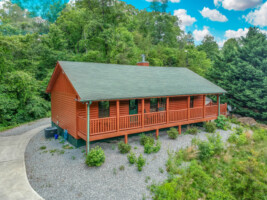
(113, 147)
(67, 146)
(131, 158)
(122, 168)
(192, 130)
(147, 179)
(114, 171)
(172, 133)
(222, 122)
(146, 139)
(123, 148)
(73, 157)
(83, 151)
(42, 147)
(239, 130)
(96, 157)
(161, 170)
(148, 148)
(140, 162)
(210, 127)
(135, 147)
(259, 135)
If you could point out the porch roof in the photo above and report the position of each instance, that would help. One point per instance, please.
(98, 81)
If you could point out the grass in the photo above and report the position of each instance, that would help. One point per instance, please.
(42, 148)
(122, 168)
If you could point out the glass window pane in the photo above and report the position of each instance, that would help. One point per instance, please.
(154, 105)
(162, 104)
(103, 109)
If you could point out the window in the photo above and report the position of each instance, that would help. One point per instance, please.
(154, 105)
(191, 102)
(162, 104)
(103, 109)
(133, 106)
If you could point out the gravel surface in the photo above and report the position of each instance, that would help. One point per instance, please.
(65, 176)
(25, 127)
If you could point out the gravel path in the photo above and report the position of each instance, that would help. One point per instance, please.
(65, 176)
(25, 127)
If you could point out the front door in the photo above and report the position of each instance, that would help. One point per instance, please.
(133, 107)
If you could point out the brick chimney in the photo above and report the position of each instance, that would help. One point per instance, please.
(144, 62)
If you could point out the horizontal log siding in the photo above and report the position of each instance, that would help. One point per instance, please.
(198, 101)
(63, 105)
(94, 110)
(178, 103)
(112, 109)
(124, 107)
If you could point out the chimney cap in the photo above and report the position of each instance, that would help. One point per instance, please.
(143, 62)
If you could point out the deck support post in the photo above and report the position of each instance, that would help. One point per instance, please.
(143, 113)
(180, 129)
(167, 109)
(126, 139)
(204, 106)
(157, 133)
(118, 115)
(88, 127)
(188, 108)
(219, 105)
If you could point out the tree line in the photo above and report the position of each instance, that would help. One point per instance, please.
(111, 31)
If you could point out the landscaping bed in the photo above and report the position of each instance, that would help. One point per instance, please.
(58, 171)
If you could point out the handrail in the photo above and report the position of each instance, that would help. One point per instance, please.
(130, 121)
(155, 118)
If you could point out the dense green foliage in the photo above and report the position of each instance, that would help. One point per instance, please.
(96, 157)
(172, 133)
(124, 148)
(210, 127)
(192, 130)
(241, 70)
(222, 122)
(132, 158)
(238, 172)
(151, 148)
(110, 31)
(140, 163)
(146, 139)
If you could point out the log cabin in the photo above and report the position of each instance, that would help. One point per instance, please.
(95, 101)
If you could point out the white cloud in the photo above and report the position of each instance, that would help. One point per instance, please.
(236, 34)
(173, 1)
(258, 17)
(221, 43)
(213, 15)
(185, 19)
(237, 4)
(200, 34)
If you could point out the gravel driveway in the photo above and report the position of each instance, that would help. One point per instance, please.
(63, 175)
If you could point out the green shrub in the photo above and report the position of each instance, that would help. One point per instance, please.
(148, 148)
(96, 157)
(146, 139)
(233, 138)
(210, 127)
(192, 130)
(222, 122)
(122, 168)
(234, 120)
(131, 158)
(140, 162)
(239, 130)
(42, 147)
(124, 148)
(242, 139)
(259, 135)
(172, 133)
(207, 149)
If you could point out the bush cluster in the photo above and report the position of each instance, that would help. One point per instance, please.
(131, 158)
(124, 148)
(192, 130)
(146, 139)
(140, 162)
(96, 157)
(151, 148)
(172, 133)
(210, 127)
(222, 122)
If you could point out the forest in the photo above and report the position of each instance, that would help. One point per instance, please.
(111, 31)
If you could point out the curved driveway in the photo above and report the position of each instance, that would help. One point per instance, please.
(14, 184)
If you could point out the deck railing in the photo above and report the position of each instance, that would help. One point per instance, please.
(109, 124)
(178, 115)
(155, 118)
(196, 113)
(102, 125)
(130, 121)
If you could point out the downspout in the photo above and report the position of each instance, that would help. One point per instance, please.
(88, 126)
(219, 105)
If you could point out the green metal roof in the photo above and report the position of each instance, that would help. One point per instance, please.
(98, 81)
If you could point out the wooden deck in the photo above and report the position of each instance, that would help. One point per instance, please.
(103, 128)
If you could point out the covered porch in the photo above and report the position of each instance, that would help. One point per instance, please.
(114, 126)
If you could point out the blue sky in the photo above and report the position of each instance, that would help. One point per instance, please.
(221, 18)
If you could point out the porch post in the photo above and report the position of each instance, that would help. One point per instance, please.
(219, 105)
(204, 105)
(157, 133)
(180, 129)
(167, 109)
(118, 115)
(143, 113)
(88, 127)
(188, 108)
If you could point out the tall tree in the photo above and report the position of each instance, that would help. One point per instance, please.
(210, 46)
